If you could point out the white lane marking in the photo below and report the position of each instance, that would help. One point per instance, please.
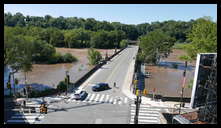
(101, 99)
(36, 105)
(144, 113)
(119, 102)
(111, 100)
(19, 121)
(115, 101)
(115, 65)
(141, 105)
(147, 109)
(90, 100)
(85, 100)
(96, 99)
(28, 117)
(26, 114)
(125, 100)
(107, 97)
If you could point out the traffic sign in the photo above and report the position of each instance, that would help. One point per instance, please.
(137, 92)
(145, 92)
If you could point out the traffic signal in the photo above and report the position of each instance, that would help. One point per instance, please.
(137, 92)
(8, 85)
(68, 79)
(145, 92)
(24, 91)
(135, 82)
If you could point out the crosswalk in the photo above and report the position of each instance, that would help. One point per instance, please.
(26, 116)
(101, 98)
(147, 114)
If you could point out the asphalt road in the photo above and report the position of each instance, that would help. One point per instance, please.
(104, 107)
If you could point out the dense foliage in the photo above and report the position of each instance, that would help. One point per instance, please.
(23, 46)
(203, 37)
(94, 56)
(54, 28)
(155, 45)
(123, 43)
(156, 38)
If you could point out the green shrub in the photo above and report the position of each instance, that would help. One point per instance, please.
(56, 58)
(62, 86)
(94, 56)
(68, 58)
(123, 43)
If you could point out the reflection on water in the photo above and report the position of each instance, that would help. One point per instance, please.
(171, 64)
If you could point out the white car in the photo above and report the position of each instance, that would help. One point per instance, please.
(79, 95)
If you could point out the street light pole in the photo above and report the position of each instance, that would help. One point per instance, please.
(136, 114)
(67, 81)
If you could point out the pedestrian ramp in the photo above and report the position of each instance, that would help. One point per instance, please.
(102, 98)
(147, 114)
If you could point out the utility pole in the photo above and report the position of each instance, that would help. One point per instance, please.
(67, 81)
(137, 102)
(136, 114)
(26, 88)
(183, 84)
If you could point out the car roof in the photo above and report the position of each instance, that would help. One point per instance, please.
(102, 83)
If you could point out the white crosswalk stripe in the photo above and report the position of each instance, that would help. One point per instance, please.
(111, 100)
(96, 99)
(106, 100)
(27, 117)
(125, 100)
(91, 99)
(147, 114)
(101, 99)
(115, 101)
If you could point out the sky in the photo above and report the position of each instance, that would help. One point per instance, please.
(124, 13)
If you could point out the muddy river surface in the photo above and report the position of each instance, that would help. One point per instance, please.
(52, 74)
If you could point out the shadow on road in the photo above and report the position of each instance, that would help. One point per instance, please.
(65, 109)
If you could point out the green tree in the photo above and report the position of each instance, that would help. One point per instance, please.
(155, 45)
(123, 43)
(42, 51)
(94, 56)
(203, 38)
(68, 58)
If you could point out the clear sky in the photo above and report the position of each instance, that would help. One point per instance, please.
(124, 13)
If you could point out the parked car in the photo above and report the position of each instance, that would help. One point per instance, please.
(100, 87)
(80, 95)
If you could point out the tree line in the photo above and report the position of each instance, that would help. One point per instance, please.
(176, 29)
(201, 38)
